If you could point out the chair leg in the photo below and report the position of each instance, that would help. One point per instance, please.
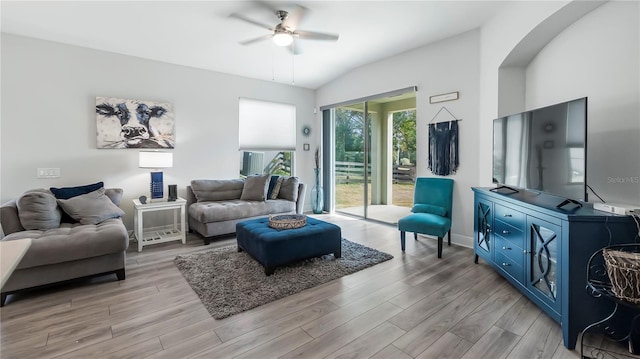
(439, 247)
(402, 239)
(449, 237)
(415, 235)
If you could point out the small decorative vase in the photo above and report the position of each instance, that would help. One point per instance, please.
(317, 195)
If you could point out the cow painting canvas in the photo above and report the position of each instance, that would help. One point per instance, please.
(134, 124)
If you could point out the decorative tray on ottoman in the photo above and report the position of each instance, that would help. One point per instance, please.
(287, 221)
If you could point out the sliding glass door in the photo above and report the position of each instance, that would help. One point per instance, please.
(367, 155)
(349, 160)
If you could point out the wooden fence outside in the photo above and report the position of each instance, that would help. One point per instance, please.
(353, 172)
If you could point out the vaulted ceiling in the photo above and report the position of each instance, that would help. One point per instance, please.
(201, 34)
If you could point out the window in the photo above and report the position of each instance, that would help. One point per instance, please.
(267, 137)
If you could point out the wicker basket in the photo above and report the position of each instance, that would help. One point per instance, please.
(623, 269)
(287, 221)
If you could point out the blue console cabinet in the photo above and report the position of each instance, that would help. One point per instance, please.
(543, 250)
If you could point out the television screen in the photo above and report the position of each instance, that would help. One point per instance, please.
(543, 149)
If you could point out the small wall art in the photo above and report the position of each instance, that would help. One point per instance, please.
(444, 97)
(123, 123)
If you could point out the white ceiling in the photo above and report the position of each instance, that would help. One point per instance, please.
(200, 34)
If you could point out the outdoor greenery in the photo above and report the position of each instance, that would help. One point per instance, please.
(350, 139)
(280, 165)
(349, 130)
(404, 136)
(349, 135)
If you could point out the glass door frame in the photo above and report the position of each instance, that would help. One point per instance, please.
(328, 143)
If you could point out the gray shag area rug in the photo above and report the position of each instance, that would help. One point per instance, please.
(229, 282)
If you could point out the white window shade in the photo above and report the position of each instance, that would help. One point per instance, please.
(266, 126)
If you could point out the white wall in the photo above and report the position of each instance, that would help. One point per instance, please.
(49, 120)
(599, 57)
(595, 56)
(447, 66)
(498, 38)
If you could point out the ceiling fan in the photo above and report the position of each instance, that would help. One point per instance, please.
(284, 33)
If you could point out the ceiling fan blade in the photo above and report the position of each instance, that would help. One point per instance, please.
(246, 19)
(257, 39)
(310, 35)
(295, 17)
(265, 5)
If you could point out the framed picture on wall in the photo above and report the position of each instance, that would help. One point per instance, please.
(122, 123)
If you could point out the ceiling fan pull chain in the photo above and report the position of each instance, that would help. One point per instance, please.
(273, 63)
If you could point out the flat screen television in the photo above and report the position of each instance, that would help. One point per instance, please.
(544, 149)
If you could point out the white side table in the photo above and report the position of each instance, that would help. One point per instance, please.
(11, 252)
(155, 235)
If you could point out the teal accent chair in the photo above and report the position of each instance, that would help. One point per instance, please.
(432, 200)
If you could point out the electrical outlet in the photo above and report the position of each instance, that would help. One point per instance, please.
(48, 173)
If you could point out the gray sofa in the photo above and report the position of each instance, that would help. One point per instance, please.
(62, 251)
(215, 206)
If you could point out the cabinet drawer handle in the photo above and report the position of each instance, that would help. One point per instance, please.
(526, 251)
(507, 215)
(506, 248)
(505, 264)
(505, 231)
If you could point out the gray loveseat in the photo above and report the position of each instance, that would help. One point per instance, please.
(62, 251)
(215, 206)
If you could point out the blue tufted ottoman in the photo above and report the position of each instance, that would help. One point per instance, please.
(273, 248)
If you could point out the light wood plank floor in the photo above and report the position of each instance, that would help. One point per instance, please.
(413, 306)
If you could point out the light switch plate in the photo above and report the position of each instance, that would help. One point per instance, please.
(48, 173)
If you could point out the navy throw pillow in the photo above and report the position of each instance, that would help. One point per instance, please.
(272, 183)
(70, 192)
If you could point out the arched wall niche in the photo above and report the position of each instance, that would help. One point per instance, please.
(512, 71)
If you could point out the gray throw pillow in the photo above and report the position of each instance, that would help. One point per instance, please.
(38, 210)
(289, 189)
(91, 208)
(114, 194)
(255, 188)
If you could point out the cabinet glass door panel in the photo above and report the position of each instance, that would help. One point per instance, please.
(484, 221)
(543, 260)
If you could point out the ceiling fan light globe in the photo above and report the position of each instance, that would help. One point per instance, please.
(282, 39)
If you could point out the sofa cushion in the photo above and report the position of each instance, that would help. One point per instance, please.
(217, 211)
(70, 192)
(217, 190)
(91, 208)
(38, 210)
(72, 242)
(255, 188)
(289, 189)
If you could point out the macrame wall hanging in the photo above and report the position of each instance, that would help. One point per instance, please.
(443, 145)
